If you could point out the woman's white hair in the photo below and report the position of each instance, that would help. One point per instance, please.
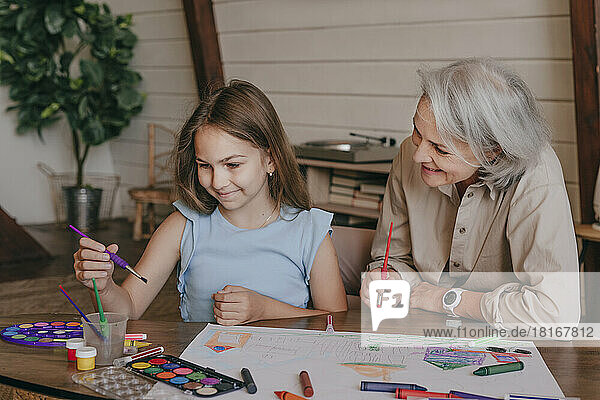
(484, 104)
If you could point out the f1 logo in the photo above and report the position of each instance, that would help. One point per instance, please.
(389, 299)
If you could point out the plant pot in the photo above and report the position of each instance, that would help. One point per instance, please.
(83, 205)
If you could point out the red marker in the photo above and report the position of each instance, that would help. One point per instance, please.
(283, 395)
(384, 273)
(404, 393)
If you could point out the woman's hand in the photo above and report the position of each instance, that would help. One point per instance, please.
(427, 297)
(91, 262)
(237, 305)
(374, 275)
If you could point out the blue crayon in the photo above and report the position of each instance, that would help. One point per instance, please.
(465, 395)
(368, 386)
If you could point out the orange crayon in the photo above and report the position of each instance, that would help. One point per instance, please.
(283, 395)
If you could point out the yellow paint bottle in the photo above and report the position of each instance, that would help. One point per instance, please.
(86, 358)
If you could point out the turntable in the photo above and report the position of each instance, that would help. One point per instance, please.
(371, 149)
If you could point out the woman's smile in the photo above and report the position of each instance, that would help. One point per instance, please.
(430, 171)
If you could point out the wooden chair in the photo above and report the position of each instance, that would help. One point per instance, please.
(157, 191)
(353, 247)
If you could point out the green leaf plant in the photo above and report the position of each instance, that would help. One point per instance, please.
(69, 58)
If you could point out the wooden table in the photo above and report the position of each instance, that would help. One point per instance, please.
(46, 371)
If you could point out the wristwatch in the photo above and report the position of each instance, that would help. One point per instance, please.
(451, 300)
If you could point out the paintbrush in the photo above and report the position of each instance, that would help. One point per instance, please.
(81, 313)
(103, 324)
(384, 271)
(116, 259)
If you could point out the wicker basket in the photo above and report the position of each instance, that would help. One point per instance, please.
(108, 183)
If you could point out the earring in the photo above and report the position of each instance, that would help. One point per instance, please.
(271, 174)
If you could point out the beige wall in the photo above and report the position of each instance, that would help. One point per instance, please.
(333, 66)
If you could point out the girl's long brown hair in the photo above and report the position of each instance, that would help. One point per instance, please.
(244, 111)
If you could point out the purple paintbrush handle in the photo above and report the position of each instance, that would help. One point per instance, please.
(117, 260)
(78, 231)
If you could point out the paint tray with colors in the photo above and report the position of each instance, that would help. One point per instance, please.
(186, 376)
(53, 333)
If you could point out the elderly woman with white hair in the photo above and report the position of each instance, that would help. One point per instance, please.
(482, 226)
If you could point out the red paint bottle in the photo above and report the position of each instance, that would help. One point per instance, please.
(72, 346)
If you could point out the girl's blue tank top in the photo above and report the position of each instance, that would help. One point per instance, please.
(274, 261)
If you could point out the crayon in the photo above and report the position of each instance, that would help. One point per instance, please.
(369, 386)
(521, 351)
(136, 336)
(248, 380)
(307, 388)
(466, 395)
(283, 395)
(499, 368)
(403, 393)
(136, 343)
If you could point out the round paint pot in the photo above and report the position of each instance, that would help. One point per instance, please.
(86, 358)
(72, 345)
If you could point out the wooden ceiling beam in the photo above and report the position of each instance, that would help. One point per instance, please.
(584, 36)
(204, 42)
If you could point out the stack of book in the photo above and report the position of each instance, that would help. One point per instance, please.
(357, 189)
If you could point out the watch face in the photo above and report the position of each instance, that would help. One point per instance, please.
(449, 298)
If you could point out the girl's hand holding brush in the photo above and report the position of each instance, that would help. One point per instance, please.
(90, 261)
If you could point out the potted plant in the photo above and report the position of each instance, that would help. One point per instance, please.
(69, 58)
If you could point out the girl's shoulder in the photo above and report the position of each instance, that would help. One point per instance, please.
(188, 212)
(310, 222)
(306, 216)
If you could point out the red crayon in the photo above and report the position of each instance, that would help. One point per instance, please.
(404, 393)
(307, 388)
(283, 395)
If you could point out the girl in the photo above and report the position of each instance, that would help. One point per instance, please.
(244, 238)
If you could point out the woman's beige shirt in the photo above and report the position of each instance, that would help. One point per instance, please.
(518, 246)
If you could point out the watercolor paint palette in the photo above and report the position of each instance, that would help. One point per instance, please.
(184, 375)
(53, 333)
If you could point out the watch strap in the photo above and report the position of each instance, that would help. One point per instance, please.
(450, 308)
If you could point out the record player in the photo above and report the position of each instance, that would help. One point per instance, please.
(370, 149)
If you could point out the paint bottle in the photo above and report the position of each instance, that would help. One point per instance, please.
(72, 345)
(86, 358)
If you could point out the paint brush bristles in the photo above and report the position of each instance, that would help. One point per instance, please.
(384, 271)
(115, 258)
